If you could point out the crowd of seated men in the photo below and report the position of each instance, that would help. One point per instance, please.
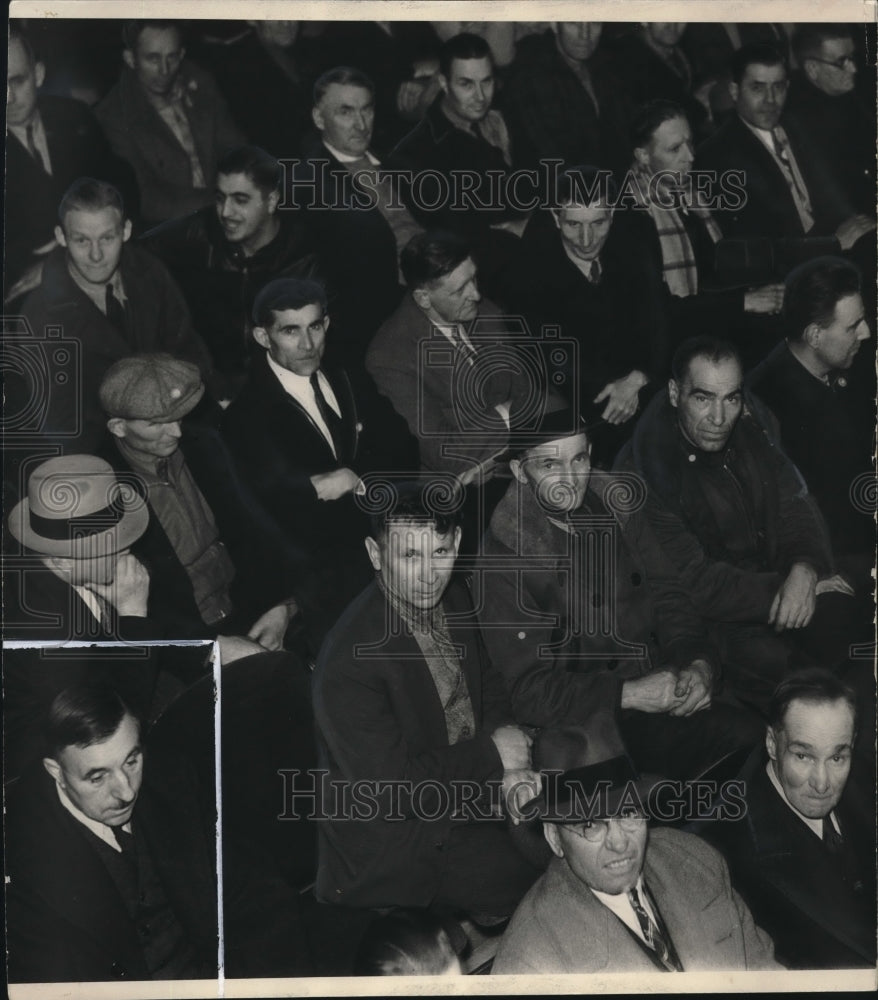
(499, 398)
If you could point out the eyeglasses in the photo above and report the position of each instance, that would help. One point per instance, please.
(843, 62)
(596, 830)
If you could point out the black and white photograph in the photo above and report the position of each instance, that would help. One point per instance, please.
(439, 498)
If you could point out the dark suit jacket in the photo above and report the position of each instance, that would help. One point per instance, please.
(157, 320)
(844, 131)
(618, 325)
(140, 136)
(379, 717)
(266, 564)
(829, 437)
(435, 144)
(769, 209)
(77, 148)
(357, 248)
(818, 918)
(277, 449)
(550, 114)
(66, 919)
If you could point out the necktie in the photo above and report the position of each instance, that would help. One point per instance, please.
(126, 844)
(831, 837)
(32, 147)
(594, 272)
(115, 311)
(332, 420)
(793, 177)
(654, 937)
(465, 348)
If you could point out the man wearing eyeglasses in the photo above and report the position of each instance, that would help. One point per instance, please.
(824, 99)
(616, 896)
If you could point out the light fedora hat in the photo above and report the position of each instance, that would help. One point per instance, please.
(77, 508)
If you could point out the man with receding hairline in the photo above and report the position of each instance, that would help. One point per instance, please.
(804, 855)
(734, 515)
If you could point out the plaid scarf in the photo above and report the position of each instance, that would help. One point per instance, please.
(679, 269)
(430, 632)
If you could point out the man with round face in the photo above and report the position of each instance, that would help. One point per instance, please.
(93, 240)
(246, 213)
(402, 693)
(616, 896)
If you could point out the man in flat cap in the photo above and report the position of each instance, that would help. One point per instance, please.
(75, 576)
(218, 563)
(617, 897)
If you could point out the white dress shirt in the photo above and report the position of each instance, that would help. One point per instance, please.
(98, 829)
(816, 825)
(620, 904)
(299, 387)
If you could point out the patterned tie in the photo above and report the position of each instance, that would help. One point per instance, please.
(115, 311)
(332, 420)
(831, 837)
(653, 935)
(793, 177)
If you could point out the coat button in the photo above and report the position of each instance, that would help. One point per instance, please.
(612, 664)
(636, 579)
(439, 846)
